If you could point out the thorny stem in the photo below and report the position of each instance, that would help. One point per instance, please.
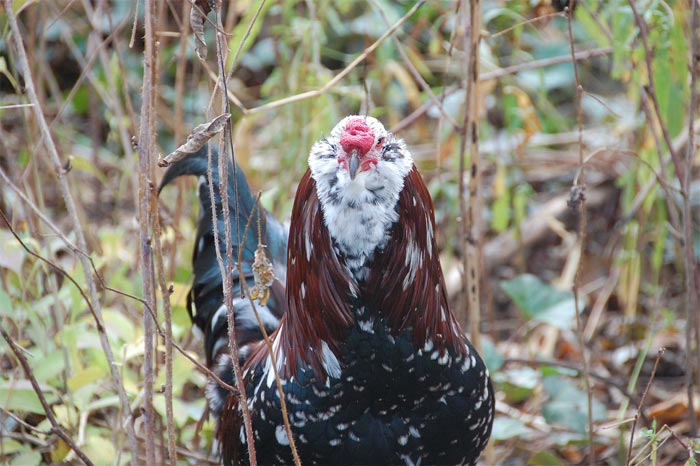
(578, 199)
(23, 65)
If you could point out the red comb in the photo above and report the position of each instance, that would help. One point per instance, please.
(357, 135)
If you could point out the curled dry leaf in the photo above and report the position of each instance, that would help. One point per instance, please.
(199, 136)
(198, 16)
(263, 274)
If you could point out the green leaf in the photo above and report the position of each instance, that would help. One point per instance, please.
(8, 446)
(49, 366)
(106, 402)
(584, 18)
(505, 428)
(4, 71)
(119, 326)
(241, 28)
(500, 209)
(85, 165)
(18, 395)
(5, 304)
(568, 405)
(26, 458)
(99, 448)
(492, 358)
(521, 195)
(517, 384)
(541, 302)
(19, 5)
(12, 254)
(180, 413)
(662, 79)
(86, 376)
(544, 458)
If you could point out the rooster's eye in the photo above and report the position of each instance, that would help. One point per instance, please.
(380, 141)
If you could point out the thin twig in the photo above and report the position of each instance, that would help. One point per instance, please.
(641, 403)
(226, 269)
(273, 357)
(420, 111)
(243, 40)
(651, 90)
(606, 380)
(526, 22)
(545, 62)
(56, 427)
(23, 65)
(578, 199)
(96, 18)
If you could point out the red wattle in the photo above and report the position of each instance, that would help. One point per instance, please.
(357, 135)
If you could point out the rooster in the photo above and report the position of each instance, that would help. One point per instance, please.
(373, 364)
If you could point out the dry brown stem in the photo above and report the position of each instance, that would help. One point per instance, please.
(578, 200)
(641, 403)
(471, 211)
(226, 270)
(692, 277)
(145, 195)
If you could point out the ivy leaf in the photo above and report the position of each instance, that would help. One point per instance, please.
(541, 302)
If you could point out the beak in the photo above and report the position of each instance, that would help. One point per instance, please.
(353, 164)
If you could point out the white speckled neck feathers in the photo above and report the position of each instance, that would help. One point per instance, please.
(359, 211)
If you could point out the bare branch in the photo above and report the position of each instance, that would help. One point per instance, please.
(145, 216)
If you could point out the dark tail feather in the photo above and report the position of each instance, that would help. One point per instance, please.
(206, 299)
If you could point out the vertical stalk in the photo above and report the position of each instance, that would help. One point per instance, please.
(692, 299)
(578, 199)
(146, 192)
(471, 211)
(226, 269)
